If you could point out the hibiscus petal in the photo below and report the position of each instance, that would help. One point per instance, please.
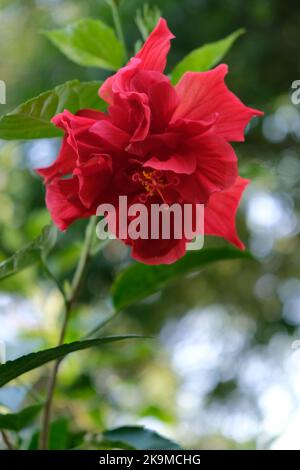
(205, 93)
(175, 149)
(131, 113)
(177, 163)
(63, 165)
(220, 213)
(75, 127)
(192, 128)
(120, 82)
(162, 97)
(216, 168)
(107, 133)
(216, 162)
(93, 178)
(158, 251)
(154, 52)
(92, 114)
(152, 56)
(155, 144)
(63, 202)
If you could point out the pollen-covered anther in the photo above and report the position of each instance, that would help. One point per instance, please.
(152, 180)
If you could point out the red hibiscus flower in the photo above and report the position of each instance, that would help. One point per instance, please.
(156, 144)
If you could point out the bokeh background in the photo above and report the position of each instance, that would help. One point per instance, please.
(223, 369)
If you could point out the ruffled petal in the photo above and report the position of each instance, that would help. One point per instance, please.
(94, 177)
(220, 213)
(110, 135)
(203, 94)
(162, 97)
(178, 163)
(63, 202)
(75, 127)
(154, 52)
(63, 165)
(131, 112)
(195, 146)
(152, 56)
(216, 163)
(120, 82)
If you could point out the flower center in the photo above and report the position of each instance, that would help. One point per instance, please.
(154, 182)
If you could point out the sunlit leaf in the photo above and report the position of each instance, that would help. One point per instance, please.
(32, 119)
(139, 438)
(89, 42)
(13, 369)
(30, 254)
(205, 57)
(18, 421)
(139, 281)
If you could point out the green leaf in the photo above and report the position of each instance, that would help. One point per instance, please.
(32, 119)
(18, 421)
(13, 369)
(31, 254)
(139, 438)
(89, 42)
(139, 280)
(205, 57)
(60, 436)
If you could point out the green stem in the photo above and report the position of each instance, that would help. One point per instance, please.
(51, 276)
(69, 301)
(118, 25)
(101, 325)
(83, 260)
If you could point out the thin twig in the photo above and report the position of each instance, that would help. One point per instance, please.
(101, 325)
(7, 441)
(69, 301)
(118, 25)
(53, 278)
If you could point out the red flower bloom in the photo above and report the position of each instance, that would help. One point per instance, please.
(158, 143)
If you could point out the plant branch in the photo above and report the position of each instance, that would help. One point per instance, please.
(101, 325)
(7, 441)
(51, 276)
(69, 298)
(114, 5)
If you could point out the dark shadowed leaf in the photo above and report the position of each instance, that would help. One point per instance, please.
(32, 119)
(205, 57)
(60, 436)
(18, 421)
(89, 42)
(139, 281)
(139, 438)
(30, 254)
(13, 369)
